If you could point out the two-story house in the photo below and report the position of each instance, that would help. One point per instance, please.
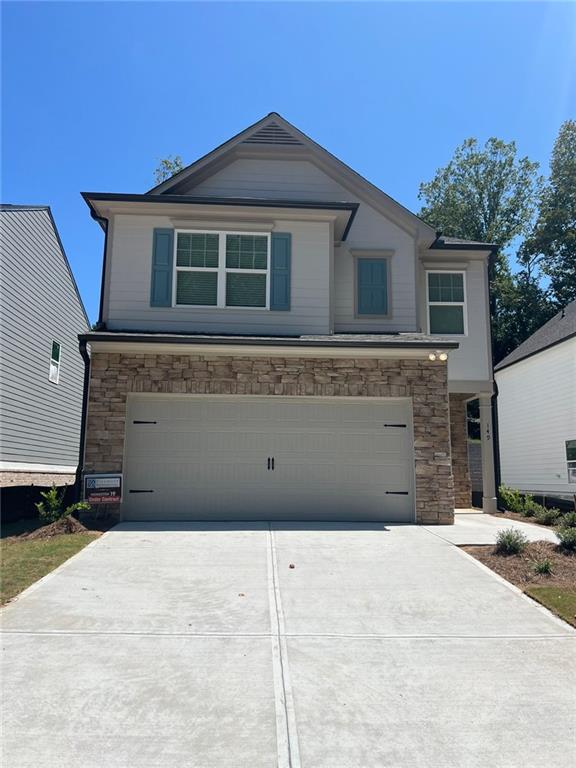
(279, 339)
(41, 371)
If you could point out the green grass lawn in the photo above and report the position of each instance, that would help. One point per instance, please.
(559, 600)
(24, 561)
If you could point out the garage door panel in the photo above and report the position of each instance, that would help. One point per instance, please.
(206, 458)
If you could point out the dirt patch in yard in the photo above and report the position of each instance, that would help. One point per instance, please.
(65, 525)
(556, 590)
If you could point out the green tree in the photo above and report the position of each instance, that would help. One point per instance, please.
(487, 194)
(552, 243)
(523, 306)
(167, 167)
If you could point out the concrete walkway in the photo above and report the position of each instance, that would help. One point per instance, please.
(200, 646)
(477, 528)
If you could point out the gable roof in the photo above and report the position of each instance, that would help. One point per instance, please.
(561, 327)
(274, 131)
(15, 209)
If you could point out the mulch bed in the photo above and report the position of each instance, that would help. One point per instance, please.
(519, 569)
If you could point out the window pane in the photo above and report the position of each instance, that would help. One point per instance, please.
(446, 286)
(434, 287)
(197, 250)
(196, 288)
(447, 320)
(55, 356)
(571, 450)
(245, 290)
(246, 252)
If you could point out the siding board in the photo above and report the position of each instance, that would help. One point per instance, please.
(536, 415)
(39, 421)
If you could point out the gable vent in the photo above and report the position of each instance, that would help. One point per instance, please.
(272, 134)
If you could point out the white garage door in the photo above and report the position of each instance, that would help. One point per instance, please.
(250, 458)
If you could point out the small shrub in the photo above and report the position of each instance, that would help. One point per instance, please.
(543, 566)
(567, 538)
(567, 520)
(510, 541)
(51, 508)
(511, 499)
(530, 508)
(547, 516)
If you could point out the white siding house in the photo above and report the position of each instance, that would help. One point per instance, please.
(537, 410)
(41, 371)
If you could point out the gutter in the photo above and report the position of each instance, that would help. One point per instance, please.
(496, 444)
(265, 342)
(104, 223)
(82, 346)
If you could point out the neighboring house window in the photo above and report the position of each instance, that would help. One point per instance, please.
(222, 269)
(571, 460)
(54, 375)
(371, 286)
(447, 303)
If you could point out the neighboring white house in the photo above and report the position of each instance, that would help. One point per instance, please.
(41, 371)
(537, 410)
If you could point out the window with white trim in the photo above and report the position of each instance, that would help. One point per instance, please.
(222, 269)
(446, 293)
(54, 372)
(571, 460)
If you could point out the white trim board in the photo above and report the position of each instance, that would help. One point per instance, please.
(54, 469)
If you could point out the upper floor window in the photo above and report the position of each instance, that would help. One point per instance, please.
(571, 460)
(372, 286)
(447, 303)
(54, 374)
(222, 269)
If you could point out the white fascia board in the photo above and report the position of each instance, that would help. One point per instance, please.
(241, 350)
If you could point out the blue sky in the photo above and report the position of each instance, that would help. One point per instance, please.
(95, 93)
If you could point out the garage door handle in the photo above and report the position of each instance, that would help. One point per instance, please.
(138, 490)
(269, 462)
(397, 493)
(272, 463)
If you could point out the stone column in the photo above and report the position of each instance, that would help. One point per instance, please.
(489, 503)
(459, 446)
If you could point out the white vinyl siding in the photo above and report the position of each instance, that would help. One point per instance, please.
(40, 422)
(301, 179)
(130, 255)
(472, 360)
(537, 417)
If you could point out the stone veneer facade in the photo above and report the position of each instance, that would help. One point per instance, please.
(115, 375)
(459, 446)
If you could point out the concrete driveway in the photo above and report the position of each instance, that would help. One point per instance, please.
(199, 646)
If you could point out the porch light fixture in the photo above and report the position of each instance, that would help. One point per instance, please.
(438, 355)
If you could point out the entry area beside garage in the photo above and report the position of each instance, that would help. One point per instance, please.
(260, 458)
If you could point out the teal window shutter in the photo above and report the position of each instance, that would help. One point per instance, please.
(372, 287)
(280, 271)
(162, 256)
